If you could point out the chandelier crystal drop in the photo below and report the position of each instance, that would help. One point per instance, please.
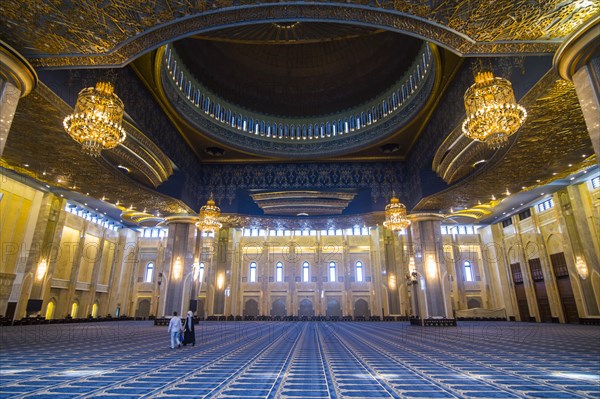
(395, 215)
(209, 217)
(96, 120)
(493, 114)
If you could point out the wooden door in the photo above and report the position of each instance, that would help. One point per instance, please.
(541, 294)
(522, 304)
(565, 289)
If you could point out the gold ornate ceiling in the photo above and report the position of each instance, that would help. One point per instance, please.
(90, 32)
(107, 33)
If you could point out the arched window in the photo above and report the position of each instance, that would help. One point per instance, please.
(279, 272)
(95, 310)
(332, 271)
(468, 271)
(149, 272)
(253, 272)
(201, 272)
(74, 309)
(359, 272)
(305, 272)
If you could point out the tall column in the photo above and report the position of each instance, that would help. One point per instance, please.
(265, 271)
(349, 271)
(236, 274)
(96, 272)
(318, 271)
(459, 272)
(430, 264)
(404, 273)
(222, 272)
(77, 254)
(290, 272)
(179, 260)
(379, 274)
(392, 245)
(44, 247)
(195, 270)
(578, 60)
(17, 79)
(156, 290)
(579, 242)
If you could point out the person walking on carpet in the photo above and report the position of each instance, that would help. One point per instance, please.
(174, 329)
(189, 335)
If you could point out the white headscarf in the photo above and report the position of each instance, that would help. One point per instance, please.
(190, 313)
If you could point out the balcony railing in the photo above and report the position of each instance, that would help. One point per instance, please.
(328, 127)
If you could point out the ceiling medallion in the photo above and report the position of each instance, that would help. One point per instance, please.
(492, 112)
(96, 119)
(209, 217)
(395, 215)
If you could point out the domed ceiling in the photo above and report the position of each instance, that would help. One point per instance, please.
(297, 91)
(298, 69)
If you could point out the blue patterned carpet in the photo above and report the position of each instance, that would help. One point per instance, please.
(132, 359)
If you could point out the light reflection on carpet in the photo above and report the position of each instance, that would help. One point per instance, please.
(132, 359)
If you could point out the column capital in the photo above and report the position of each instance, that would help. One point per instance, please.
(426, 216)
(185, 219)
(578, 48)
(15, 69)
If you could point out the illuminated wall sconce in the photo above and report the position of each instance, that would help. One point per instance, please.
(412, 268)
(177, 268)
(195, 269)
(582, 268)
(412, 278)
(41, 269)
(431, 267)
(392, 281)
(201, 272)
(220, 281)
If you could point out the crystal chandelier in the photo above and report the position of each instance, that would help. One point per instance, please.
(492, 112)
(209, 217)
(96, 119)
(395, 215)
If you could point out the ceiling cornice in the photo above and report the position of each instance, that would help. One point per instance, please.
(113, 34)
